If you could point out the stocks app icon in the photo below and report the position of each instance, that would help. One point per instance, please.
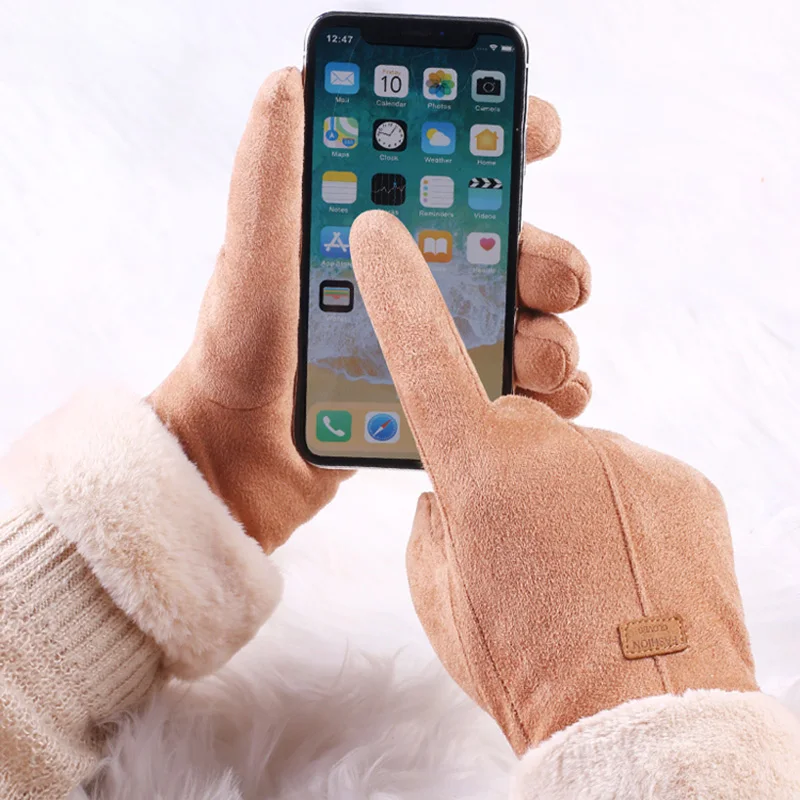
(388, 189)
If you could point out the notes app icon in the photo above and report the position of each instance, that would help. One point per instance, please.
(339, 187)
(436, 246)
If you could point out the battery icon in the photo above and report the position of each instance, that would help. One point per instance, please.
(506, 48)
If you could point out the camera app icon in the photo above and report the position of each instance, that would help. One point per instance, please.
(488, 86)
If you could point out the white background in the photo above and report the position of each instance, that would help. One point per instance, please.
(678, 176)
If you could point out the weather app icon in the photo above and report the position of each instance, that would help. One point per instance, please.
(438, 138)
(382, 427)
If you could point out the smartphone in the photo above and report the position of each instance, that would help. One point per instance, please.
(423, 117)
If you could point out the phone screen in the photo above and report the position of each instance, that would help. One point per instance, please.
(431, 135)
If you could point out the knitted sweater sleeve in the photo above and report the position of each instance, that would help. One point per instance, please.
(118, 569)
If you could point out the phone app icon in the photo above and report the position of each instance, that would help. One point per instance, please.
(336, 296)
(436, 246)
(436, 191)
(388, 189)
(483, 248)
(391, 80)
(438, 138)
(339, 188)
(382, 427)
(439, 83)
(488, 86)
(486, 140)
(341, 78)
(334, 242)
(390, 134)
(334, 426)
(340, 133)
(485, 194)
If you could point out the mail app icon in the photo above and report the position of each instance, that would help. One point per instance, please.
(341, 78)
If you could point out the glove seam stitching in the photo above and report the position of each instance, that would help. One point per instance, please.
(467, 364)
(478, 626)
(641, 592)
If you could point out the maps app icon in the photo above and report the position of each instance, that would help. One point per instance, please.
(340, 133)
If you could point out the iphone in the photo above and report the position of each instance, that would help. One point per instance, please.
(423, 117)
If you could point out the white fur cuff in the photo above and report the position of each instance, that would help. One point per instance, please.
(117, 483)
(702, 744)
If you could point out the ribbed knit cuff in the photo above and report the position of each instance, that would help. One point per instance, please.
(70, 657)
(115, 482)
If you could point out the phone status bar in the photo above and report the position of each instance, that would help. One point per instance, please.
(497, 48)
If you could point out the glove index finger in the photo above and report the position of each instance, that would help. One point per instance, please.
(440, 391)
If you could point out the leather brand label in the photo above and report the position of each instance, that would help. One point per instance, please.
(652, 636)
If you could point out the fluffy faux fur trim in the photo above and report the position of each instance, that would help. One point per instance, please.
(117, 483)
(727, 745)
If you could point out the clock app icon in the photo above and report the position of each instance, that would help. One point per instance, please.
(390, 134)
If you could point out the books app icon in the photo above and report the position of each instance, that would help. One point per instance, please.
(436, 246)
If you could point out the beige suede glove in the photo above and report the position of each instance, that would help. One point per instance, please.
(557, 570)
(230, 400)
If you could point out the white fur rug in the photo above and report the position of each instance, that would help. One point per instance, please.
(678, 176)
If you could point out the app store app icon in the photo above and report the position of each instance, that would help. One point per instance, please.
(334, 242)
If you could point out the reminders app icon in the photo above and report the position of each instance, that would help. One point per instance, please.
(341, 78)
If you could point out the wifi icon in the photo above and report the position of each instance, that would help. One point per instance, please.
(493, 46)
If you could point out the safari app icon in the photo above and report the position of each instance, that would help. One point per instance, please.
(382, 427)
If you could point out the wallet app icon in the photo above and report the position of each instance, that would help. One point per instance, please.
(342, 78)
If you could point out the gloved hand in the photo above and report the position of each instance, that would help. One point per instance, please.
(557, 570)
(230, 400)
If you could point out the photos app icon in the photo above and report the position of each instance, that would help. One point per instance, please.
(439, 83)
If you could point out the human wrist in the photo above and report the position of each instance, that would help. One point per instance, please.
(116, 483)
